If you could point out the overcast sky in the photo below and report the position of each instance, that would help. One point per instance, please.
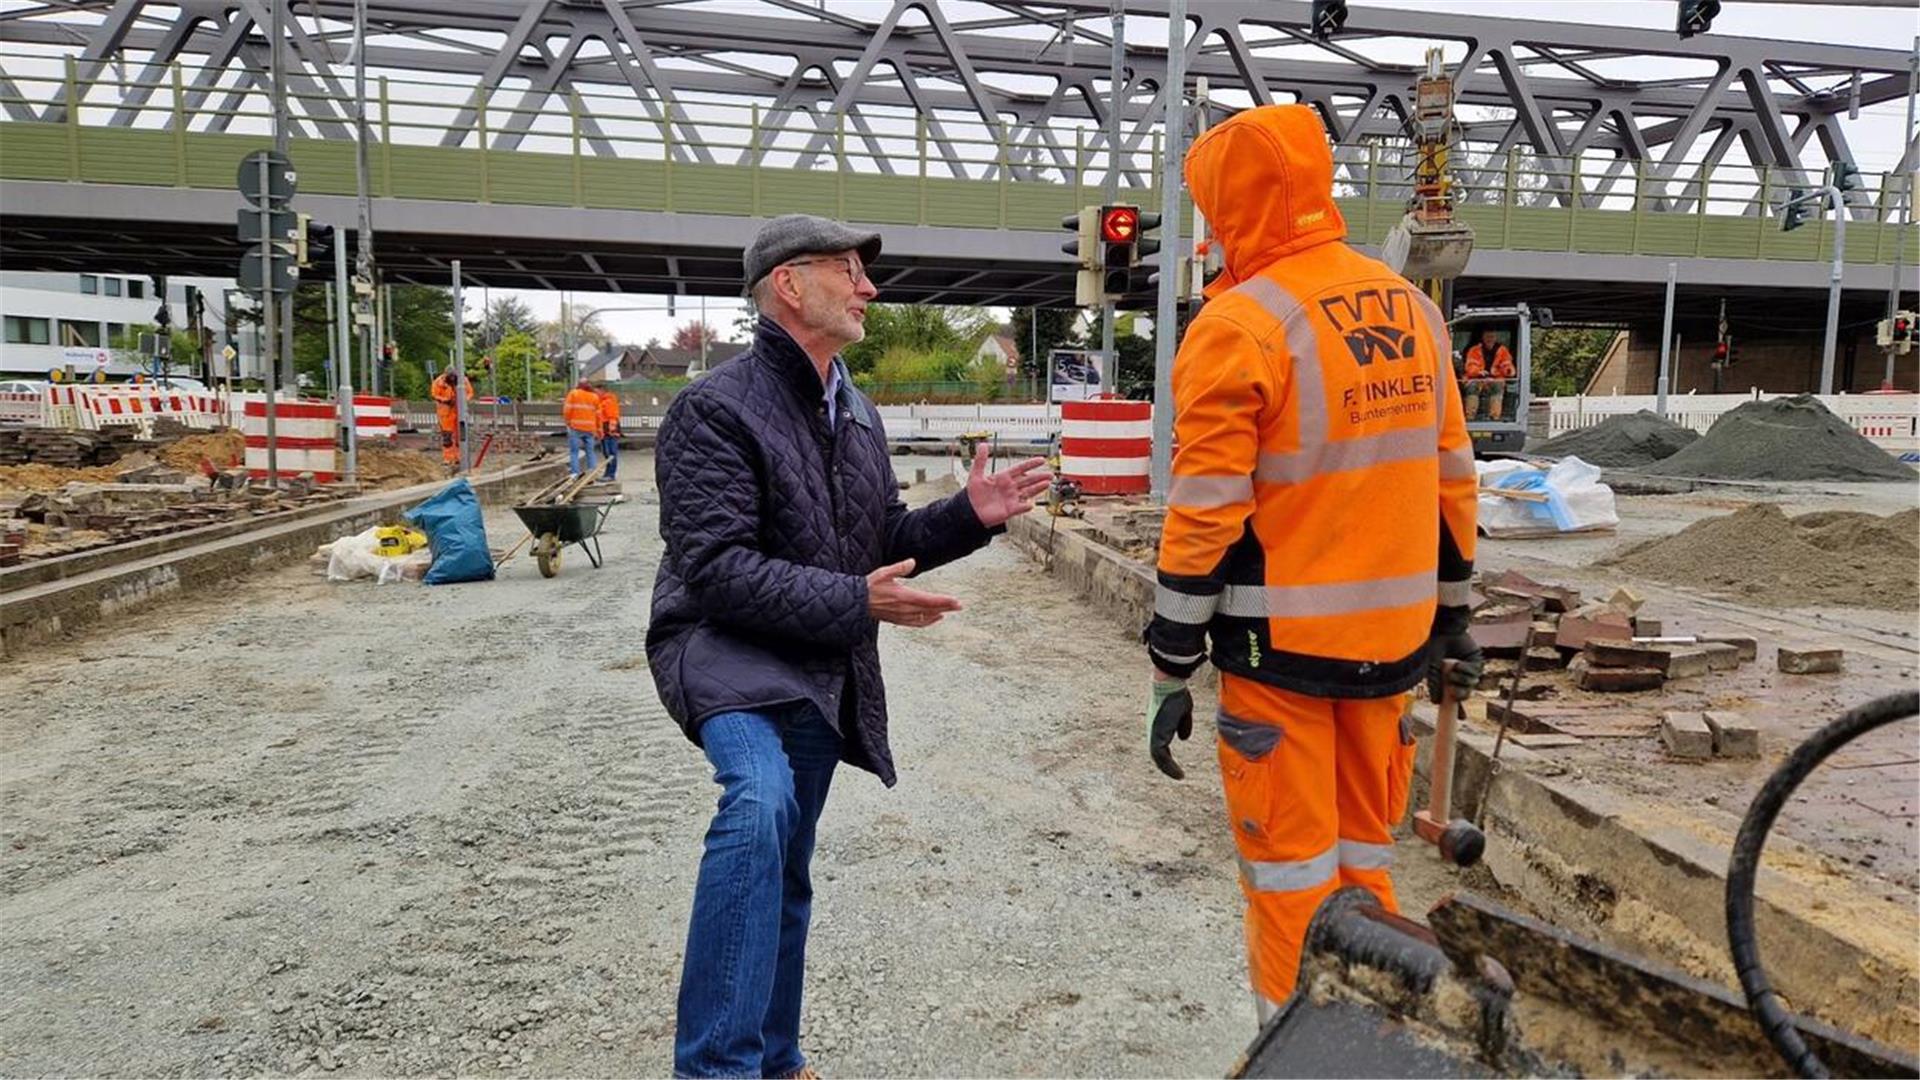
(1875, 137)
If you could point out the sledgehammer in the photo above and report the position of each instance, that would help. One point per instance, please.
(1459, 841)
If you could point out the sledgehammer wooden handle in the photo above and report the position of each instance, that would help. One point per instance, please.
(1459, 842)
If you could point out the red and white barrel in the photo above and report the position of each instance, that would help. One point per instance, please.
(1106, 446)
(373, 417)
(305, 433)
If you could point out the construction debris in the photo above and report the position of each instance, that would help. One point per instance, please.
(1733, 737)
(1621, 442)
(1811, 661)
(1793, 438)
(1686, 735)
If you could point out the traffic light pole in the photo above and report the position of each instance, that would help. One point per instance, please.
(1906, 200)
(267, 340)
(460, 370)
(1110, 359)
(349, 429)
(1166, 319)
(1839, 205)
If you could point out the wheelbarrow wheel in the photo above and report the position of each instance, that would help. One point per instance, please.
(547, 551)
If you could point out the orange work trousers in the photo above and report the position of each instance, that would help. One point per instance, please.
(1314, 788)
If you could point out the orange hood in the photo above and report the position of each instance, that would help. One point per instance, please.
(1264, 180)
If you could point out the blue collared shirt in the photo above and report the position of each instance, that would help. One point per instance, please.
(833, 392)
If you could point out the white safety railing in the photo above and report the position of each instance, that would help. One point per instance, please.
(1892, 421)
(1012, 423)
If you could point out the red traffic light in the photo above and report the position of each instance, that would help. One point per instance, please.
(1119, 224)
(1720, 350)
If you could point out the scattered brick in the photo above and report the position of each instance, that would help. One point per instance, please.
(1749, 647)
(1811, 661)
(1604, 653)
(1683, 661)
(1621, 679)
(1733, 736)
(1686, 735)
(1576, 630)
(1720, 655)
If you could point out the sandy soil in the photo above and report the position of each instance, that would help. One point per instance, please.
(391, 830)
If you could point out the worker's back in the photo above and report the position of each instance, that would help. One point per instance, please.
(582, 409)
(1315, 403)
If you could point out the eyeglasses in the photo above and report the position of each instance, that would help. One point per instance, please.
(854, 271)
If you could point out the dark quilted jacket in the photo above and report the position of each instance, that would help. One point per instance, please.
(772, 523)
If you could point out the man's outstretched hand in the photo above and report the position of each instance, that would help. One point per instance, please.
(1006, 494)
(890, 601)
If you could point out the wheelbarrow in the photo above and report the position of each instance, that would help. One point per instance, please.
(555, 526)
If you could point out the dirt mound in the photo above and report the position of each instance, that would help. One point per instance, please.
(34, 477)
(1829, 558)
(1793, 438)
(383, 467)
(224, 448)
(1621, 442)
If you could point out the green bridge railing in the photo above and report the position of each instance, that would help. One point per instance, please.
(605, 150)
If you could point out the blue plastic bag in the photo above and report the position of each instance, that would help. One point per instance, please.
(457, 534)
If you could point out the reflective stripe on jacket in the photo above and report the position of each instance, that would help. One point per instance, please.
(582, 410)
(1323, 495)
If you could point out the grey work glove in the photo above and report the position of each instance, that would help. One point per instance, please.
(1460, 648)
(1170, 713)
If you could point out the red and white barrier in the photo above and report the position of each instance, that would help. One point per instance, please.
(373, 417)
(133, 404)
(1106, 446)
(305, 433)
(28, 409)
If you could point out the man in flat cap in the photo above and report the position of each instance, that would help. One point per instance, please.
(786, 546)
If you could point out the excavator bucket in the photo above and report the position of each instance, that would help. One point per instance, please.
(1422, 250)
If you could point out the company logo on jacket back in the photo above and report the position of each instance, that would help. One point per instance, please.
(1380, 324)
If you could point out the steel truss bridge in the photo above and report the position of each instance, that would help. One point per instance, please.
(629, 145)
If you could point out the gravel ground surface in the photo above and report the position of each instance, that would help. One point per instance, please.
(389, 830)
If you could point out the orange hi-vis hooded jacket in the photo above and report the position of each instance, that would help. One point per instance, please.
(445, 409)
(1477, 367)
(1320, 522)
(609, 412)
(582, 410)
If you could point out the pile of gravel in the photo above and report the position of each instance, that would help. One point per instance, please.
(1829, 558)
(1794, 438)
(1621, 442)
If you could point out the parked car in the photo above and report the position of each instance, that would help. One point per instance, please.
(23, 386)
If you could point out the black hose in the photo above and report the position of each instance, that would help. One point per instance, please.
(1765, 1004)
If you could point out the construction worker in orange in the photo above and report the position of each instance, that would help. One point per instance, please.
(447, 411)
(1488, 369)
(1319, 532)
(582, 412)
(610, 429)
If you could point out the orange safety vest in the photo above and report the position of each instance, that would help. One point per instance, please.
(583, 410)
(1476, 363)
(1323, 496)
(609, 412)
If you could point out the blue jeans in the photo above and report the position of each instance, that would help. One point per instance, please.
(610, 446)
(740, 984)
(578, 443)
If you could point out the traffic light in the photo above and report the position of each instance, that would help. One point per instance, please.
(1327, 18)
(1897, 334)
(311, 239)
(387, 356)
(1148, 245)
(1696, 17)
(1796, 211)
(1086, 251)
(1119, 239)
(1846, 176)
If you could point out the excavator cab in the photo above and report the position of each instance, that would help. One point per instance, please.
(1493, 366)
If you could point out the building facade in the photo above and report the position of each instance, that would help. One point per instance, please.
(56, 321)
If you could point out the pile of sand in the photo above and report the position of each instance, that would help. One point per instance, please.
(33, 477)
(1621, 442)
(1829, 558)
(1794, 438)
(223, 449)
(382, 467)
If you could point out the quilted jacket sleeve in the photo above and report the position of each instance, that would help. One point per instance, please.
(710, 519)
(935, 534)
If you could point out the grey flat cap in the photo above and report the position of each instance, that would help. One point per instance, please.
(792, 235)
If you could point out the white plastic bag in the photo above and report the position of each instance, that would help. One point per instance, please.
(1576, 500)
(357, 556)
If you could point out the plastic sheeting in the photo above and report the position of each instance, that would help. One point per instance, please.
(1576, 500)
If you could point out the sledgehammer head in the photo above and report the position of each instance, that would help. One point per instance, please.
(1460, 843)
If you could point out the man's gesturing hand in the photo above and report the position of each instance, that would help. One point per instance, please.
(890, 601)
(1007, 493)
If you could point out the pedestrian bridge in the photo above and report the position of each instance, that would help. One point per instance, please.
(572, 197)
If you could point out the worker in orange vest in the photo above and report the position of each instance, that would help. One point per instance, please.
(582, 412)
(1489, 367)
(1319, 533)
(610, 429)
(447, 411)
